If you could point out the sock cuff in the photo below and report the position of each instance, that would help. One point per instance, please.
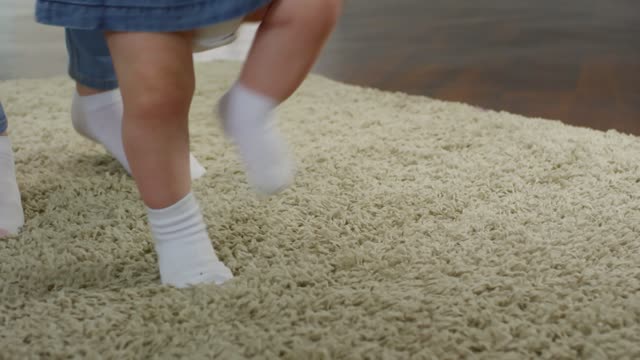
(250, 98)
(182, 218)
(97, 101)
(187, 202)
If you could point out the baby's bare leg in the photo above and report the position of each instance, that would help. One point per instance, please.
(156, 78)
(96, 109)
(155, 72)
(286, 46)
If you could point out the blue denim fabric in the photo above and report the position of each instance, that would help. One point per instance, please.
(142, 15)
(3, 120)
(89, 59)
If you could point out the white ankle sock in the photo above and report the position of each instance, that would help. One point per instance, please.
(185, 254)
(248, 118)
(99, 118)
(11, 215)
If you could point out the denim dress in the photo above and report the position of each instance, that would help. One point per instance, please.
(142, 15)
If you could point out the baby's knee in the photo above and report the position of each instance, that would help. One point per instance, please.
(321, 15)
(160, 99)
(316, 16)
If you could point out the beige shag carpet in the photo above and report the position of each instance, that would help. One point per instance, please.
(417, 229)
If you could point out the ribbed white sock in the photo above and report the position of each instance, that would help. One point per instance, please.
(185, 254)
(99, 118)
(249, 119)
(11, 215)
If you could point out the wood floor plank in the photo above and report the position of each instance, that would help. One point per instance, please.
(578, 62)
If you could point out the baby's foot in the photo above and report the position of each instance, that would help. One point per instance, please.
(185, 254)
(248, 119)
(11, 215)
(99, 118)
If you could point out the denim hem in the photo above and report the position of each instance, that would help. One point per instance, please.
(98, 84)
(76, 15)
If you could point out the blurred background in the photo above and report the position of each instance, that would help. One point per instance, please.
(577, 61)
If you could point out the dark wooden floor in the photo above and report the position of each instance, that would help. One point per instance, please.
(577, 61)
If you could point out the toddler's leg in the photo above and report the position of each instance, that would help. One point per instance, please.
(11, 215)
(157, 83)
(96, 110)
(286, 46)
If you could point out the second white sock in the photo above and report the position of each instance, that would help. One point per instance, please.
(185, 254)
(248, 118)
(99, 118)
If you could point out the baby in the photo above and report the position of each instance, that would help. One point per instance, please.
(152, 47)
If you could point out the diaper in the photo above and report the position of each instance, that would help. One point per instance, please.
(216, 35)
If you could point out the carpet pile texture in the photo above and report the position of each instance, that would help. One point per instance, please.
(416, 229)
